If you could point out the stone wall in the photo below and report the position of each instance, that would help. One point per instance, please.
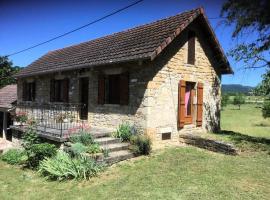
(153, 98)
(161, 94)
(209, 144)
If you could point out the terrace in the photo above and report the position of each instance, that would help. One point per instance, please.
(53, 121)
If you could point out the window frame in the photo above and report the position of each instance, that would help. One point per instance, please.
(112, 89)
(59, 95)
(29, 91)
(110, 94)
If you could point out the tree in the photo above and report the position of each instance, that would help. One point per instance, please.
(263, 89)
(238, 100)
(266, 109)
(224, 100)
(7, 70)
(250, 18)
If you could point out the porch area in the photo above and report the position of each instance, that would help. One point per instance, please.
(55, 121)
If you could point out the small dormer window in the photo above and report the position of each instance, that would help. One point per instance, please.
(191, 48)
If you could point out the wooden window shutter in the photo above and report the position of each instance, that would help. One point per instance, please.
(52, 90)
(101, 89)
(124, 89)
(181, 103)
(199, 104)
(65, 90)
(191, 48)
(25, 91)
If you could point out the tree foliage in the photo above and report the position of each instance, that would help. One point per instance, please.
(266, 109)
(224, 100)
(238, 100)
(250, 18)
(7, 70)
(263, 89)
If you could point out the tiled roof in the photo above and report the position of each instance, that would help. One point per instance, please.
(139, 43)
(8, 95)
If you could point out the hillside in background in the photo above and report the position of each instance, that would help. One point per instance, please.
(235, 88)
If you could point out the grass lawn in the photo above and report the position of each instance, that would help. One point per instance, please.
(173, 173)
(248, 121)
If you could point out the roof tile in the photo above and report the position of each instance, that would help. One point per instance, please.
(142, 42)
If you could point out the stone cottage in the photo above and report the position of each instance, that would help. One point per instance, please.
(164, 77)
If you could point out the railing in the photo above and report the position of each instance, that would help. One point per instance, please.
(54, 118)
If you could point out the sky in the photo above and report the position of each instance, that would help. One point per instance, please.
(26, 23)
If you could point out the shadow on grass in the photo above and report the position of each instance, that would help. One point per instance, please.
(246, 141)
(262, 125)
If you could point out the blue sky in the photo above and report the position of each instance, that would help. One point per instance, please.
(25, 23)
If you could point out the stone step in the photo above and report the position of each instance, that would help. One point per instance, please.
(118, 156)
(103, 134)
(107, 140)
(115, 146)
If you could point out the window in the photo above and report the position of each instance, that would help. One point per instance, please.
(113, 89)
(29, 91)
(59, 90)
(191, 48)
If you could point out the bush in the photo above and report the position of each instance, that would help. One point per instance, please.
(62, 166)
(124, 132)
(38, 152)
(266, 109)
(14, 156)
(83, 137)
(141, 145)
(94, 148)
(76, 149)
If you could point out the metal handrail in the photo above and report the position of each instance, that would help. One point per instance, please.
(53, 117)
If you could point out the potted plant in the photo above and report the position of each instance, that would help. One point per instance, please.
(21, 117)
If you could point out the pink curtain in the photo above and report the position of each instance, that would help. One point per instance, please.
(187, 98)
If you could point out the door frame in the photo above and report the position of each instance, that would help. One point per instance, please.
(189, 118)
(84, 94)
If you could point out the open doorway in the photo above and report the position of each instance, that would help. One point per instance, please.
(84, 92)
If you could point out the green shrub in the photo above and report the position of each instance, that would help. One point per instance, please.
(35, 150)
(124, 131)
(94, 148)
(62, 167)
(82, 137)
(141, 145)
(29, 138)
(266, 109)
(38, 152)
(76, 149)
(14, 156)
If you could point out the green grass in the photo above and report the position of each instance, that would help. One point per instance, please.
(248, 121)
(173, 173)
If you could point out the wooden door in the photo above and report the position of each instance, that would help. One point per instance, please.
(84, 92)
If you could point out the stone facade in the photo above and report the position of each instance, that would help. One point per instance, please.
(153, 91)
